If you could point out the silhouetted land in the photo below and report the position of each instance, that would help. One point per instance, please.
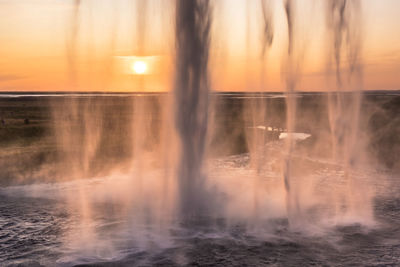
(28, 126)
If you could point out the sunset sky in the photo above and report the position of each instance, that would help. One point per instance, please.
(40, 52)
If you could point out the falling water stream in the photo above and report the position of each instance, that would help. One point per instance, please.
(343, 23)
(193, 25)
(191, 189)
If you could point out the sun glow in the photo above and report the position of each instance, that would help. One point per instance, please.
(139, 67)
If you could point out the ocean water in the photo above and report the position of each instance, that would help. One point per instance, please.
(42, 222)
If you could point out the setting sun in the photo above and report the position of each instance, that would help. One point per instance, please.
(139, 67)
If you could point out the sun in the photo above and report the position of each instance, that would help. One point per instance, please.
(139, 67)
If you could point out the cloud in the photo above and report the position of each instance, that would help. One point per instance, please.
(10, 77)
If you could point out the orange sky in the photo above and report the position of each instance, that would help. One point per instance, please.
(36, 37)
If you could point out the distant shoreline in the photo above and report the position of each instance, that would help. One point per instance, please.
(12, 94)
